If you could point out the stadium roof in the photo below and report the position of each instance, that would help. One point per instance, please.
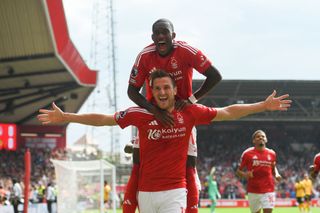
(304, 94)
(39, 63)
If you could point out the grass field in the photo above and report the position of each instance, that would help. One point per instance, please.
(243, 210)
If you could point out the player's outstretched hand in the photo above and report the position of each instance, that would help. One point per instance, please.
(164, 117)
(280, 103)
(51, 116)
(128, 148)
(180, 104)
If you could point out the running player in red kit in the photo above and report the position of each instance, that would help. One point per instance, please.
(315, 168)
(260, 165)
(163, 150)
(179, 59)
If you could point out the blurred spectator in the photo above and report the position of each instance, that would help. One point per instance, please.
(16, 194)
(50, 197)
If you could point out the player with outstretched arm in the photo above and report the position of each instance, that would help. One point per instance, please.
(163, 150)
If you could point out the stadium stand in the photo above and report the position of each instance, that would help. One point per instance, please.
(39, 65)
(294, 135)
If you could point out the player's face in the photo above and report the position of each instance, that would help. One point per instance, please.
(164, 92)
(162, 37)
(260, 140)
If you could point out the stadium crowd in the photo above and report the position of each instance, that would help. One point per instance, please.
(220, 148)
(42, 173)
(294, 150)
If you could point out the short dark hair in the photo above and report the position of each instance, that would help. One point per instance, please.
(163, 20)
(160, 74)
(256, 132)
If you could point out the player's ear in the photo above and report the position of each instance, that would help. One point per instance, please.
(153, 37)
(173, 35)
(175, 90)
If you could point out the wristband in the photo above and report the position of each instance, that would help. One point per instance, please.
(192, 99)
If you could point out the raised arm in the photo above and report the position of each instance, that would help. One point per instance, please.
(236, 111)
(163, 116)
(56, 116)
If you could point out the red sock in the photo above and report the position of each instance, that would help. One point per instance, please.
(193, 191)
(130, 202)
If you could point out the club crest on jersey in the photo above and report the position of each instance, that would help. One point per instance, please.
(174, 63)
(120, 114)
(180, 118)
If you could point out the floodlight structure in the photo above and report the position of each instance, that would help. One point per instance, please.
(103, 58)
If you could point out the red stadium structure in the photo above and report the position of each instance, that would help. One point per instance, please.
(39, 65)
(27, 162)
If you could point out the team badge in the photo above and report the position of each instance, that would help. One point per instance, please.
(180, 118)
(174, 63)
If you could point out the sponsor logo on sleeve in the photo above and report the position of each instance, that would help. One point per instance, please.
(120, 115)
(204, 60)
(134, 72)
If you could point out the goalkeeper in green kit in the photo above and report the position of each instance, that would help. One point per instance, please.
(213, 190)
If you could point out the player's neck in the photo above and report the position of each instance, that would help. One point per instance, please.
(260, 149)
(170, 109)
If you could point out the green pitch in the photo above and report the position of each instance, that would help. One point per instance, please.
(246, 210)
(241, 210)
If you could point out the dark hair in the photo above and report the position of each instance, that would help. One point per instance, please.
(160, 74)
(15, 180)
(256, 132)
(163, 20)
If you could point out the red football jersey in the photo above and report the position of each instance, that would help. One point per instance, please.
(317, 162)
(179, 63)
(163, 151)
(261, 163)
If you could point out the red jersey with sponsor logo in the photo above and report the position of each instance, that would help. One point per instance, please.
(317, 162)
(179, 63)
(261, 163)
(163, 151)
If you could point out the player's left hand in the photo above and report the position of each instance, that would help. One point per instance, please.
(180, 104)
(128, 148)
(280, 103)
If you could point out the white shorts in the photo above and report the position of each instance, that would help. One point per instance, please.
(136, 142)
(192, 149)
(261, 201)
(169, 201)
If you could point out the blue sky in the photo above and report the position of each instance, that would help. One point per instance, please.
(245, 39)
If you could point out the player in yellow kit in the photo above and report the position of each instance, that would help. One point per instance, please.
(308, 192)
(300, 194)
